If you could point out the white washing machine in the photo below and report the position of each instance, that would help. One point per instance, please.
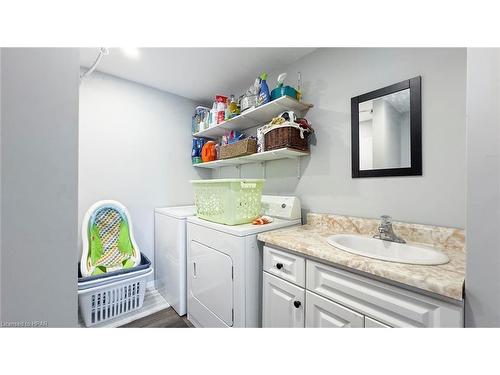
(170, 254)
(225, 266)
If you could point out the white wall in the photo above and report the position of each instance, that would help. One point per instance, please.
(39, 161)
(482, 284)
(135, 147)
(331, 77)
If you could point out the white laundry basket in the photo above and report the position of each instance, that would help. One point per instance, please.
(110, 300)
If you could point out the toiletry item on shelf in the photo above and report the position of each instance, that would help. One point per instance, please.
(200, 119)
(264, 96)
(227, 112)
(281, 90)
(233, 109)
(198, 144)
(249, 99)
(213, 115)
(195, 125)
(195, 156)
(217, 151)
(221, 107)
(208, 152)
(232, 136)
(235, 136)
(281, 79)
(247, 102)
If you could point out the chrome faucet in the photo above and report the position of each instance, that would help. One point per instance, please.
(386, 232)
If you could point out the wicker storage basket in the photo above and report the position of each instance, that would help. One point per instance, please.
(286, 137)
(240, 148)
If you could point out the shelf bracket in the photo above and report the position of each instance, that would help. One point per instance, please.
(238, 167)
(264, 169)
(218, 169)
(298, 167)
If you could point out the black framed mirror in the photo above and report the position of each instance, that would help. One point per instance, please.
(386, 131)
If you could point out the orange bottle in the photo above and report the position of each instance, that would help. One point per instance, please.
(208, 152)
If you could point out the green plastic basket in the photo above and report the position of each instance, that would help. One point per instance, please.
(228, 201)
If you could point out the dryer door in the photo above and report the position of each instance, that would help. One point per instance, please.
(212, 280)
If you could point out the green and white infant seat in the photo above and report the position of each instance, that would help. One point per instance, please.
(108, 240)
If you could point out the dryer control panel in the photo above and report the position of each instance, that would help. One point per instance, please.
(287, 208)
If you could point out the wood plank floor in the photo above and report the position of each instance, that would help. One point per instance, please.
(166, 318)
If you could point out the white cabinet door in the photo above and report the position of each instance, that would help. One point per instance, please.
(282, 303)
(323, 313)
(372, 323)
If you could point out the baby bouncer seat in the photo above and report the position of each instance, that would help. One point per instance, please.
(113, 270)
(108, 240)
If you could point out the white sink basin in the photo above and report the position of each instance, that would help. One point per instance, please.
(386, 250)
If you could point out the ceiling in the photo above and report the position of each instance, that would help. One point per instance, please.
(195, 73)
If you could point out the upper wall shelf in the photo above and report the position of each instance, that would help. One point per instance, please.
(257, 116)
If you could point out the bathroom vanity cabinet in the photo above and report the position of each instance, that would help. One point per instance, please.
(302, 292)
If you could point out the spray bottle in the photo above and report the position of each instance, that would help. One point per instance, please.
(264, 96)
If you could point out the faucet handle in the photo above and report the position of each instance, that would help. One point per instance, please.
(386, 219)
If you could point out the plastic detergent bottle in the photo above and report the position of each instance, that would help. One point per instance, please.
(221, 107)
(196, 151)
(264, 96)
(213, 115)
(233, 108)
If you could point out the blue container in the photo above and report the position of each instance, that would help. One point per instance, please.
(145, 263)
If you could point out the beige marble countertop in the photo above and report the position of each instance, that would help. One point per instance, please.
(311, 240)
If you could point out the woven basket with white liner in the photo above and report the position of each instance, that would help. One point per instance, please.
(288, 134)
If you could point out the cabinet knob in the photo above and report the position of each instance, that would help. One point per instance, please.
(279, 265)
(297, 304)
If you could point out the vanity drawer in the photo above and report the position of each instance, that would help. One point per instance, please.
(285, 265)
(394, 306)
(323, 313)
(372, 323)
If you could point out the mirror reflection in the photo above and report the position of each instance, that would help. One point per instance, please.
(384, 132)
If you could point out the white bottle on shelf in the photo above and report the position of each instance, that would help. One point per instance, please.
(213, 115)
